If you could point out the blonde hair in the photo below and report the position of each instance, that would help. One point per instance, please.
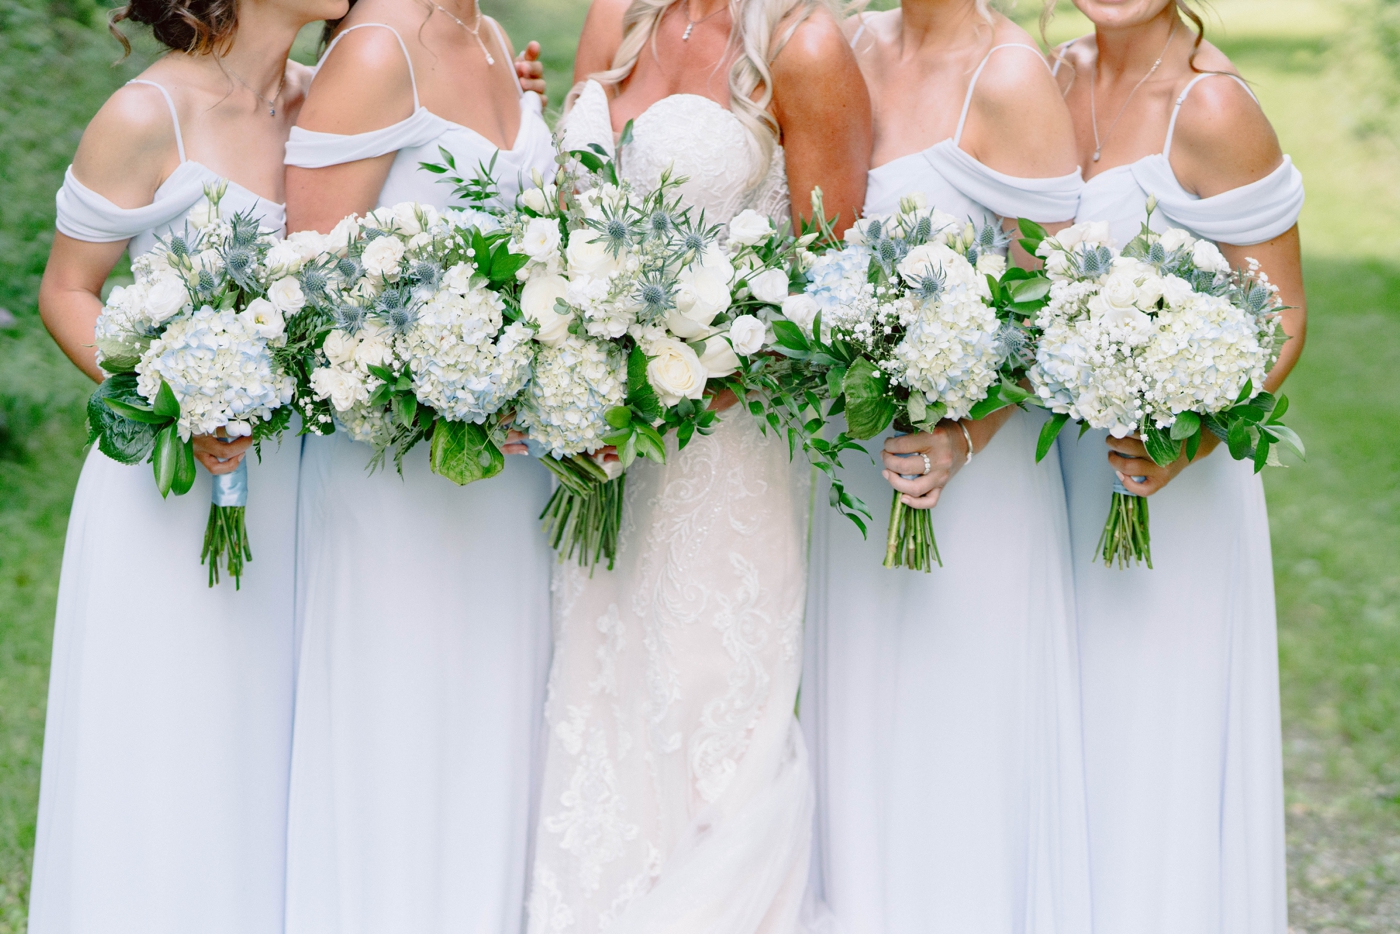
(755, 34)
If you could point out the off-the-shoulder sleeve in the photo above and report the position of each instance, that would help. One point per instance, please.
(83, 214)
(1242, 216)
(1039, 199)
(308, 149)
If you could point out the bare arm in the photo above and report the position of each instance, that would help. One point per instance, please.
(363, 85)
(822, 105)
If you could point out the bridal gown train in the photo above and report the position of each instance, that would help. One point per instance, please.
(163, 799)
(943, 709)
(425, 613)
(1180, 663)
(676, 791)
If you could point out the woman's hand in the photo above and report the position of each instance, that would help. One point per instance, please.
(1129, 459)
(530, 70)
(946, 450)
(219, 454)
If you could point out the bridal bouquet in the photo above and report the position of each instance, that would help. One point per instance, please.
(1162, 340)
(643, 312)
(191, 348)
(915, 319)
(419, 338)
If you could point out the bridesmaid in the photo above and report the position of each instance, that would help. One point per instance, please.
(1180, 665)
(424, 606)
(163, 802)
(944, 708)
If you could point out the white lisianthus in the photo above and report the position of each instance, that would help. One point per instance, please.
(383, 256)
(164, 299)
(265, 318)
(538, 301)
(747, 334)
(286, 294)
(541, 239)
(339, 348)
(749, 228)
(675, 371)
(801, 310)
(770, 286)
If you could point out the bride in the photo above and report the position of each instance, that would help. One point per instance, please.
(676, 794)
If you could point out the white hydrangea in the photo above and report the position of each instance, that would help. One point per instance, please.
(220, 370)
(574, 384)
(465, 364)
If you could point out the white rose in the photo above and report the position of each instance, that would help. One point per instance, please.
(702, 295)
(801, 309)
(340, 348)
(1207, 256)
(541, 239)
(537, 301)
(770, 286)
(265, 318)
(719, 358)
(382, 257)
(587, 253)
(991, 264)
(747, 334)
(164, 299)
(1176, 239)
(286, 294)
(750, 227)
(675, 371)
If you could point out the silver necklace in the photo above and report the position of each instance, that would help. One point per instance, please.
(1093, 110)
(271, 104)
(474, 30)
(690, 24)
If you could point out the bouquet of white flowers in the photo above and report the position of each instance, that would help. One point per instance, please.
(915, 319)
(643, 312)
(192, 349)
(1161, 340)
(419, 338)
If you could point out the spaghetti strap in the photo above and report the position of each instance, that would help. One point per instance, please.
(972, 85)
(505, 48)
(412, 80)
(1181, 99)
(174, 117)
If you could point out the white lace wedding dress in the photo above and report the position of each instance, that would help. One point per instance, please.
(676, 791)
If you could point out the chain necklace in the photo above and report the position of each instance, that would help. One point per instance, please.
(690, 24)
(474, 30)
(1093, 110)
(270, 104)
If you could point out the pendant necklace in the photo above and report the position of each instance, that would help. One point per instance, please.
(270, 104)
(690, 24)
(474, 30)
(1093, 111)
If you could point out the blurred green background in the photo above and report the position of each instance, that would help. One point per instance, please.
(1328, 74)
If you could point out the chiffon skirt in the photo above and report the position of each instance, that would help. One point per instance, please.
(425, 610)
(1181, 704)
(942, 709)
(163, 802)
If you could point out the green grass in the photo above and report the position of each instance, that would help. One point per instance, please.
(1336, 519)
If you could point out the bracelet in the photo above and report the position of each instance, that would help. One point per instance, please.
(967, 435)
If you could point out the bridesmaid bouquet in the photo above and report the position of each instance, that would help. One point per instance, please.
(914, 320)
(644, 311)
(192, 349)
(419, 337)
(1162, 340)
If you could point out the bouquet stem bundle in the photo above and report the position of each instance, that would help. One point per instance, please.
(1126, 538)
(585, 512)
(910, 542)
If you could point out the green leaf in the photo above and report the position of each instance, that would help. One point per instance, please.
(464, 453)
(165, 459)
(166, 405)
(1160, 446)
(184, 469)
(619, 416)
(869, 410)
(1048, 433)
(1186, 425)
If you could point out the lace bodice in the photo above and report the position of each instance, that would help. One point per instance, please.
(697, 139)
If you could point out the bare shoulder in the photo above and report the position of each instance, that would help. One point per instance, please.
(125, 149)
(1221, 124)
(812, 47)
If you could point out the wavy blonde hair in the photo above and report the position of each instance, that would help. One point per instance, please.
(750, 77)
